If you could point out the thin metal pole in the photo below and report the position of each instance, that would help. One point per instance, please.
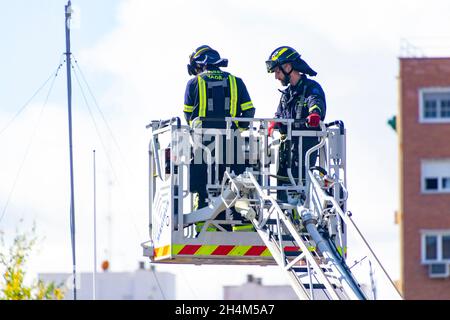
(94, 284)
(68, 12)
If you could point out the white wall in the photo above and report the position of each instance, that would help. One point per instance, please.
(138, 285)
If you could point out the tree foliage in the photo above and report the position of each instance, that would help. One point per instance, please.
(13, 262)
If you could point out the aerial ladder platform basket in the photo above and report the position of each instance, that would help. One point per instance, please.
(304, 232)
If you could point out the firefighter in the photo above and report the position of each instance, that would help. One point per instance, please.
(213, 93)
(303, 99)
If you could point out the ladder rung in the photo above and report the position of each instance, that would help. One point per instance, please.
(271, 221)
(305, 269)
(318, 286)
(284, 237)
(292, 253)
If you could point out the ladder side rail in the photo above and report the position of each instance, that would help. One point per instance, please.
(151, 180)
(350, 223)
(265, 156)
(307, 164)
(186, 194)
(280, 238)
(300, 160)
(323, 156)
(182, 151)
(289, 155)
(344, 159)
(154, 162)
(180, 197)
(317, 205)
(218, 155)
(344, 183)
(311, 291)
(336, 152)
(229, 141)
(155, 146)
(177, 175)
(296, 284)
(348, 282)
(173, 181)
(305, 251)
(308, 255)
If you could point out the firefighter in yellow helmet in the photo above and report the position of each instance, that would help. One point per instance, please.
(213, 93)
(303, 100)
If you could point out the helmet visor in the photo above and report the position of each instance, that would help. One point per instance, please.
(271, 65)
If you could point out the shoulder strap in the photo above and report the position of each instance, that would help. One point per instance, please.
(300, 103)
(201, 96)
(233, 95)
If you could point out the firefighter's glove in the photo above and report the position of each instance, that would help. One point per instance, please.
(313, 120)
(272, 126)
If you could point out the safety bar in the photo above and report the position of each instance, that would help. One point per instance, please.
(163, 123)
(346, 217)
(338, 123)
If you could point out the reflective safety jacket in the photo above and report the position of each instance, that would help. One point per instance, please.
(217, 94)
(299, 101)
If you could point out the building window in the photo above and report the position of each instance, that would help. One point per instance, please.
(435, 246)
(430, 248)
(430, 110)
(446, 183)
(431, 184)
(434, 105)
(446, 247)
(445, 108)
(435, 176)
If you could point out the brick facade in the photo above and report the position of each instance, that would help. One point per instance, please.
(419, 141)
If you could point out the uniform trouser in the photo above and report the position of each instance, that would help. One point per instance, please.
(308, 143)
(199, 168)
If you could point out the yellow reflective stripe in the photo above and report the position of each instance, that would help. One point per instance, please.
(206, 250)
(233, 96)
(199, 226)
(243, 227)
(314, 107)
(266, 253)
(162, 251)
(202, 96)
(279, 54)
(246, 106)
(188, 108)
(291, 54)
(176, 248)
(200, 51)
(339, 249)
(239, 250)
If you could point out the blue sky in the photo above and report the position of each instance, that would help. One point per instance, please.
(134, 54)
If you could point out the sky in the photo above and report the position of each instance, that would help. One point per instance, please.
(133, 55)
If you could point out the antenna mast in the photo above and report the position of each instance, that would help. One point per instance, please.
(94, 275)
(68, 12)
